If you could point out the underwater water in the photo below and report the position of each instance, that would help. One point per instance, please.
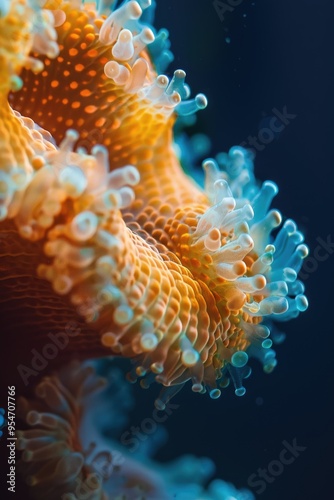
(266, 85)
(277, 56)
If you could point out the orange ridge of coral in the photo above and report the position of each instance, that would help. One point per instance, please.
(73, 92)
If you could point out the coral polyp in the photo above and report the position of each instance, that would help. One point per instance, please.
(183, 280)
(70, 449)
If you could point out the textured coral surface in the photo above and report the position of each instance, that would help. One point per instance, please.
(105, 241)
(161, 271)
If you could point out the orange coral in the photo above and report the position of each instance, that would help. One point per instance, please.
(127, 240)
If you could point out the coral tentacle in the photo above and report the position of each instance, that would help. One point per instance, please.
(183, 280)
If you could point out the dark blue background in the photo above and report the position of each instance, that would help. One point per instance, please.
(280, 54)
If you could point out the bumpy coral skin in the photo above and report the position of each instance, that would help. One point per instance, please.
(184, 281)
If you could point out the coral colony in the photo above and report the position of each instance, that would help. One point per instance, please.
(187, 282)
